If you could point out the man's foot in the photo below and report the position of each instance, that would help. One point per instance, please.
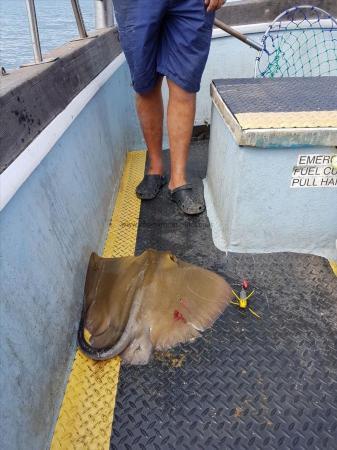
(150, 186)
(187, 201)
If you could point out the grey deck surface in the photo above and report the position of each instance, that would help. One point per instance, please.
(247, 383)
(278, 95)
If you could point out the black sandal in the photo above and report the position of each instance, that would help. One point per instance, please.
(150, 186)
(184, 197)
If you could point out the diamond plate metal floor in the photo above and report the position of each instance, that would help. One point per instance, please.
(247, 383)
(286, 103)
(286, 94)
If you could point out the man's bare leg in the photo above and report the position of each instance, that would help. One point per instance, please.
(180, 120)
(151, 113)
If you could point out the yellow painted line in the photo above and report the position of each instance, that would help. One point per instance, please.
(333, 265)
(86, 415)
(300, 119)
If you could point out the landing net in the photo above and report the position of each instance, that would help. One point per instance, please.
(301, 42)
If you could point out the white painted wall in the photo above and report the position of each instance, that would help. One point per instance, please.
(253, 209)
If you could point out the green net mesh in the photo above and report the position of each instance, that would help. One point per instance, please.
(301, 42)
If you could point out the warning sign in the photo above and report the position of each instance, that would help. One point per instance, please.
(314, 171)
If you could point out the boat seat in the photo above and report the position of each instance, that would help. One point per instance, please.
(272, 177)
(282, 111)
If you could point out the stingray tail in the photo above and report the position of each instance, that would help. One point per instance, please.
(92, 352)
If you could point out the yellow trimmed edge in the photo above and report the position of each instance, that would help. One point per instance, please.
(333, 265)
(86, 414)
(300, 119)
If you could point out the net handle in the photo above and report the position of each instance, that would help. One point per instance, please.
(228, 29)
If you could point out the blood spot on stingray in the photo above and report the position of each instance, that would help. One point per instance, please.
(178, 316)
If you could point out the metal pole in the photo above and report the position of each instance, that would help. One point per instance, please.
(104, 14)
(238, 35)
(34, 31)
(79, 19)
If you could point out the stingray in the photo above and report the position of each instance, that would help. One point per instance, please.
(137, 304)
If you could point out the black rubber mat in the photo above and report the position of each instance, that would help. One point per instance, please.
(247, 383)
(279, 94)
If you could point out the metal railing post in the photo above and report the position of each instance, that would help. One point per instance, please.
(34, 31)
(104, 14)
(79, 19)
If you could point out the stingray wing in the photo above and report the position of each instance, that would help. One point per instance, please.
(110, 287)
(182, 301)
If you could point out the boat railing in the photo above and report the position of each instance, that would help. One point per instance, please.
(34, 31)
(104, 18)
(79, 19)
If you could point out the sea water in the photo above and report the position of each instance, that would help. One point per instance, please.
(56, 23)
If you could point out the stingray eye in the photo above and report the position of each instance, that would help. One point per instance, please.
(173, 258)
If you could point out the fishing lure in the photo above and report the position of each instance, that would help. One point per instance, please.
(243, 299)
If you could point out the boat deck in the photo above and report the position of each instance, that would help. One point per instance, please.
(247, 383)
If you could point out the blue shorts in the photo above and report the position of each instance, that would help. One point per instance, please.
(164, 37)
